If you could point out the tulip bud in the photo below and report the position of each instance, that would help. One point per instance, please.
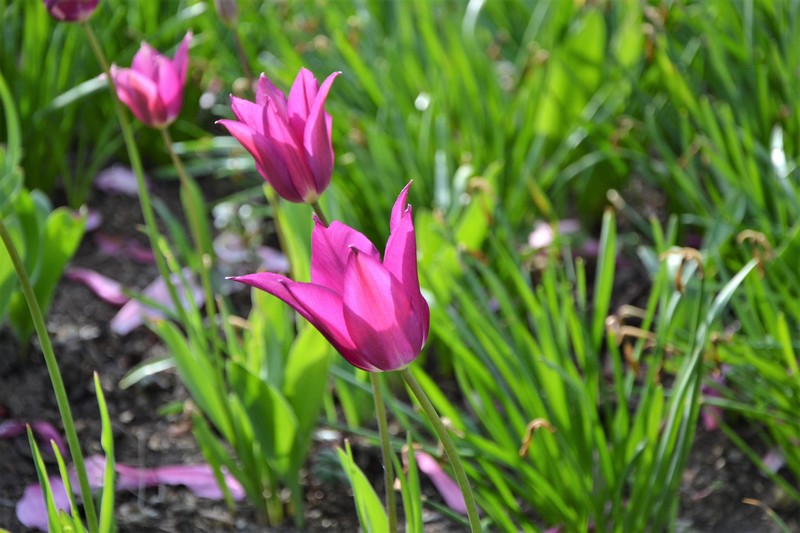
(153, 87)
(289, 138)
(71, 10)
(227, 11)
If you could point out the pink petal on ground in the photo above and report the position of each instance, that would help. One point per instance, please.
(199, 479)
(117, 179)
(106, 288)
(773, 460)
(44, 431)
(133, 313)
(11, 428)
(93, 220)
(272, 260)
(124, 248)
(448, 488)
(47, 433)
(31, 508)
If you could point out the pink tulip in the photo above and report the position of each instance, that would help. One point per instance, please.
(153, 87)
(71, 10)
(372, 312)
(290, 139)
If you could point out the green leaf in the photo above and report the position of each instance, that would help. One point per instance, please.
(370, 510)
(273, 422)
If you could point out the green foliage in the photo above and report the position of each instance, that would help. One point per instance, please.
(46, 239)
(371, 513)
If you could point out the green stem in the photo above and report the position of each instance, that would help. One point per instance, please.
(55, 377)
(449, 448)
(136, 164)
(319, 212)
(386, 451)
(248, 72)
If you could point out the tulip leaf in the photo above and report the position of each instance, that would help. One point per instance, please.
(371, 514)
(305, 380)
(50, 242)
(273, 422)
(197, 373)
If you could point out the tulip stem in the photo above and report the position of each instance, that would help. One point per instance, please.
(248, 72)
(449, 448)
(55, 378)
(319, 212)
(136, 164)
(386, 451)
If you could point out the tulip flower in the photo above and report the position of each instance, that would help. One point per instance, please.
(153, 87)
(371, 311)
(290, 139)
(71, 10)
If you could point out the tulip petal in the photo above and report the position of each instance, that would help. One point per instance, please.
(31, 509)
(301, 99)
(330, 250)
(170, 88)
(400, 258)
(449, 489)
(249, 113)
(282, 141)
(380, 317)
(181, 60)
(269, 161)
(317, 304)
(144, 62)
(140, 94)
(317, 136)
(399, 208)
(106, 288)
(267, 92)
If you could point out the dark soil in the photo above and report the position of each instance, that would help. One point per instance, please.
(717, 480)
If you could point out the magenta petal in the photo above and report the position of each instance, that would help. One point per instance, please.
(199, 479)
(319, 305)
(106, 288)
(330, 250)
(31, 509)
(272, 260)
(269, 159)
(117, 179)
(11, 428)
(282, 140)
(317, 136)
(379, 314)
(47, 432)
(399, 208)
(140, 94)
(133, 313)
(170, 88)
(301, 99)
(249, 113)
(451, 493)
(267, 92)
(145, 61)
(181, 60)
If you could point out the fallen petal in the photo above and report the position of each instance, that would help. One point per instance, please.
(199, 479)
(31, 508)
(448, 488)
(105, 288)
(133, 313)
(117, 179)
(272, 260)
